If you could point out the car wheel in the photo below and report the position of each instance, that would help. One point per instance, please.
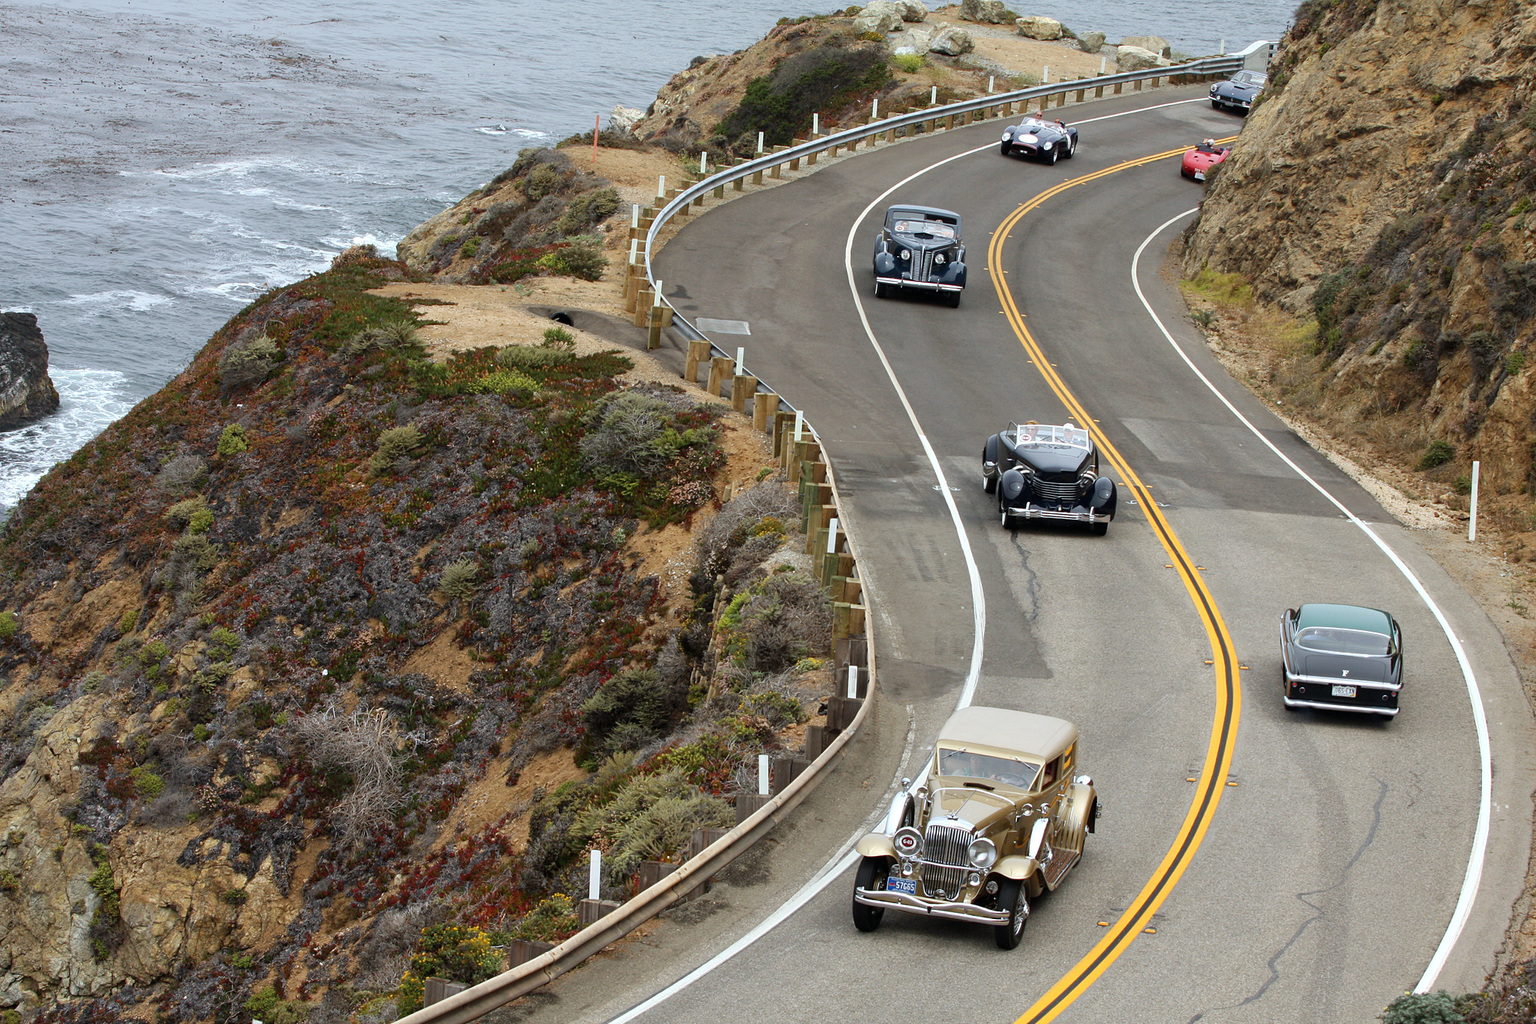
(881, 289)
(872, 874)
(1100, 529)
(1008, 522)
(1005, 149)
(1071, 149)
(1012, 897)
(1215, 105)
(954, 300)
(989, 483)
(1055, 153)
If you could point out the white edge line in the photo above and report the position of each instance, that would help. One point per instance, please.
(1474, 873)
(845, 859)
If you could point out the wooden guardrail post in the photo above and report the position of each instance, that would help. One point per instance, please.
(698, 352)
(765, 407)
(742, 386)
(719, 368)
(644, 299)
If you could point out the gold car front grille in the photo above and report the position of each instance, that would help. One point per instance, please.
(945, 866)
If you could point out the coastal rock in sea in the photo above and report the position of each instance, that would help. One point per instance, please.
(26, 391)
(951, 41)
(1091, 42)
(880, 16)
(1134, 58)
(623, 119)
(1157, 44)
(986, 12)
(912, 10)
(1038, 26)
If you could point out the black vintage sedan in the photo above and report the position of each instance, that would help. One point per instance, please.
(1045, 471)
(1238, 92)
(920, 248)
(1340, 657)
(1042, 139)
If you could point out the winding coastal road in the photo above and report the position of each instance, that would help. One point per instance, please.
(1251, 864)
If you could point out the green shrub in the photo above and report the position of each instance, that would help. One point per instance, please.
(909, 62)
(128, 622)
(586, 210)
(447, 951)
(395, 444)
(650, 818)
(201, 521)
(245, 365)
(780, 105)
(552, 920)
(470, 247)
(232, 440)
(629, 711)
(584, 259)
(528, 357)
(146, 783)
(458, 579)
(152, 654)
(8, 625)
(559, 338)
(180, 516)
(384, 337)
(1423, 1008)
(502, 382)
(1514, 363)
(543, 180)
(235, 898)
(264, 1005)
(630, 434)
(1438, 453)
(201, 732)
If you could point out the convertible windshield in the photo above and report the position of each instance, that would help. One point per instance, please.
(1006, 770)
(924, 227)
(1330, 640)
(1249, 78)
(1050, 434)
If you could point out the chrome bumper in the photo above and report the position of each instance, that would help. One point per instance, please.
(1036, 512)
(1321, 705)
(934, 286)
(929, 908)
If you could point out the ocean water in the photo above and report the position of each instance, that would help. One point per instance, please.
(164, 162)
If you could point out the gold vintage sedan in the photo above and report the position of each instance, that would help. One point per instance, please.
(1000, 820)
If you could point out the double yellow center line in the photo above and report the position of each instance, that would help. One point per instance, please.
(1218, 756)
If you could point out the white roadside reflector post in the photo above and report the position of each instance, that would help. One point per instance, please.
(832, 536)
(1472, 526)
(661, 189)
(799, 424)
(595, 875)
(762, 774)
(853, 680)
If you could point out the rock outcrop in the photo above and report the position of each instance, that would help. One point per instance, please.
(1157, 44)
(26, 391)
(1038, 26)
(1135, 58)
(880, 16)
(986, 12)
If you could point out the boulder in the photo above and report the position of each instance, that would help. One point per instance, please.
(951, 41)
(1038, 26)
(26, 391)
(880, 16)
(1134, 58)
(912, 10)
(623, 119)
(1091, 42)
(1157, 44)
(913, 40)
(986, 12)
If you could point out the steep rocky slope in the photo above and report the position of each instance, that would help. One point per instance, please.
(1384, 188)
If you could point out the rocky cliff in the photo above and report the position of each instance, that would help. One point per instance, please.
(1383, 189)
(26, 390)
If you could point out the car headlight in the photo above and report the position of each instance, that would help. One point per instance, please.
(908, 842)
(1007, 134)
(1215, 89)
(939, 258)
(905, 254)
(982, 853)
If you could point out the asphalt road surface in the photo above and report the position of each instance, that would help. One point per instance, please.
(1251, 864)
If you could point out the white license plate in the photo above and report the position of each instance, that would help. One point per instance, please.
(1341, 690)
(1199, 175)
(902, 885)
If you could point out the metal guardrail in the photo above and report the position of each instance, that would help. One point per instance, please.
(475, 1002)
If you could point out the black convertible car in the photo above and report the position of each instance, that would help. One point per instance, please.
(1037, 137)
(919, 247)
(1045, 471)
(1238, 92)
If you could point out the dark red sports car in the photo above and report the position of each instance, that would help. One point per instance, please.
(1199, 161)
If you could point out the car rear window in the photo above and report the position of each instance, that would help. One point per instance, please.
(1329, 640)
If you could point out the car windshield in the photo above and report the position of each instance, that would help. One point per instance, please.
(1007, 770)
(1038, 434)
(1248, 78)
(924, 227)
(1332, 640)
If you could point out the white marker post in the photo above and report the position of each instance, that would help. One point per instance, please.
(799, 424)
(1045, 75)
(853, 682)
(816, 123)
(634, 215)
(595, 875)
(703, 163)
(1223, 50)
(762, 774)
(661, 189)
(1101, 64)
(741, 354)
(634, 251)
(933, 96)
(1472, 527)
(991, 84)
(759, 143)
(657, 293)
(874, 110)
(832, 536)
